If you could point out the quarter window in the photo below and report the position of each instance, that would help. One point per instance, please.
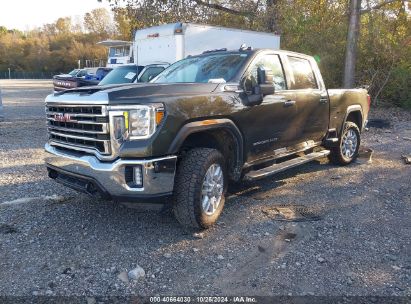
(302, 74)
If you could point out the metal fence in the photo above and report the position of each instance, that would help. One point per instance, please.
(26, 75)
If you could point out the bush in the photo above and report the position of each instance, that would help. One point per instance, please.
(398, 88)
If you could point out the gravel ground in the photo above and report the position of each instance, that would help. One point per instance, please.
(54, 241)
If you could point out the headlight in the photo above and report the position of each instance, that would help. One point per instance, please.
(140, 121)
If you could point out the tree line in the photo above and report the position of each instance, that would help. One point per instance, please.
(355, 42)
(57, 47)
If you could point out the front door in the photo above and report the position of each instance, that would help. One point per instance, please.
(268, 126)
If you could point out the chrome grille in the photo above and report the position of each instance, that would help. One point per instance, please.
(79, 127)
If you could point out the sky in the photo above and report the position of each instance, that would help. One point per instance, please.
(28, 14)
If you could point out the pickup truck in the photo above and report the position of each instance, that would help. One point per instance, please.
(207, 120)
(79, 78)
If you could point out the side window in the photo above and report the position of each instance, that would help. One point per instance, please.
(273, 63)
(302, 73)
(150, 73)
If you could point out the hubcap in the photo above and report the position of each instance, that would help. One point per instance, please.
(349, 143)
(212, 189)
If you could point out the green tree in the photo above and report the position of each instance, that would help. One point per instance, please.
(98, 21)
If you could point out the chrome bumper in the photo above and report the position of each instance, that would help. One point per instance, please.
(110, 177)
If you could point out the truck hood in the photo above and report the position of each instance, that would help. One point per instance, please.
(130, 93)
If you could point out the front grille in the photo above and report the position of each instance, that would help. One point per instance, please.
(79, 128)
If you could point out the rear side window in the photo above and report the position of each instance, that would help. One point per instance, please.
(302, 74)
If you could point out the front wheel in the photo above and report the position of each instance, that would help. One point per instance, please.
(200, 188)
(348, 145)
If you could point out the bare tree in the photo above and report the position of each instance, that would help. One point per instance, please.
(352, 41)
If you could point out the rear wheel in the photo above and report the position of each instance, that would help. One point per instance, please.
(200, 188)
(348, 145)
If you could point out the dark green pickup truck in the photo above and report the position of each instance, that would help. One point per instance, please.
(206, 120)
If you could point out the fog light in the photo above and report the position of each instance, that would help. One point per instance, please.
(138, 176)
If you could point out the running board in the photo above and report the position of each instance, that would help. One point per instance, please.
(271, 170)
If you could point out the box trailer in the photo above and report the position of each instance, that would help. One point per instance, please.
(173, 42)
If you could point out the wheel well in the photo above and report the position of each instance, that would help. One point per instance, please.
(219, 139)
(356, 118)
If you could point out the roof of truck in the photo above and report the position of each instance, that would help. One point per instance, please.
(250, 51)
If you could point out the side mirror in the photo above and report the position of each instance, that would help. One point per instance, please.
(265, 78)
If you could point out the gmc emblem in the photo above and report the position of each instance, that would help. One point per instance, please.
(62, 117)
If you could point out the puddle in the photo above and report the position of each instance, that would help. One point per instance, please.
(292, 213)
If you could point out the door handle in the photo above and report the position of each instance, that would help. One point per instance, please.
(289, 103)
(323, 100)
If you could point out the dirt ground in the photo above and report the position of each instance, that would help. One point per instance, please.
(353, 237)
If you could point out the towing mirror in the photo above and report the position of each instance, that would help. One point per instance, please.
(265, 78)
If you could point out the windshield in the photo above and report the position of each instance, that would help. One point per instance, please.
(74, 72)
(124, 74)
(211, 68)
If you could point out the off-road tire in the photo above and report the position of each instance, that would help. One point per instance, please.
(187, 188)
(336, 156)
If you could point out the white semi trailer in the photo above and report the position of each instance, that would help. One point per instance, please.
(172, 42)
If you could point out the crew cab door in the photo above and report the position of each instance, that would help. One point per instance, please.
(310, 96)
(268, 126)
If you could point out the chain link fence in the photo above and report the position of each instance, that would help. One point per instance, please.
(26, 75)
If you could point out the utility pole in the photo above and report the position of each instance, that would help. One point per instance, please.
(9, 74)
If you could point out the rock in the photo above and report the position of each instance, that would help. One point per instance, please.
(123, 276)
(198, 235)
(298, 264)
(266, 234)
(281, 227)
(196, 249)
(283, 266)
(220, 257)
(407, 159)
(321, 260)
(91, 300)
(391, 257)
(396, 267)
(35, 293)
(167, 255)
(228, 265)
(136, 273)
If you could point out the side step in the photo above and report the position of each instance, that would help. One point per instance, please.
(271, 170)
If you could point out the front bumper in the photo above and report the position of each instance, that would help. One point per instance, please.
(112, 179)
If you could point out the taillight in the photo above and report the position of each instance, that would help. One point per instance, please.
(369, 101)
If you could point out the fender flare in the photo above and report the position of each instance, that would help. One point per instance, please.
(207, 125)
(350, 109)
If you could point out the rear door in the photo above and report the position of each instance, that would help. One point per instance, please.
(311, 98)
